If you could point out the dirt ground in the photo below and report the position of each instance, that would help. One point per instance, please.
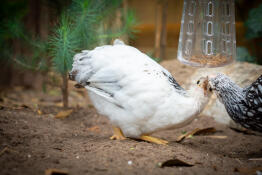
(33, 140)
(80, 144)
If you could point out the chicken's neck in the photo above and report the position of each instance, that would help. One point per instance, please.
(191, 105)
(230, 94)
(199, 99)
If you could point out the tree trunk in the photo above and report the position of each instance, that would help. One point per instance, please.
(65, 90)
(125, 8)
(44, 20)
(160, 35)
(34, 17)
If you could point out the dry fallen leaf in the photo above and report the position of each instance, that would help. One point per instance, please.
(248, 171)
(6, 149)
(59, 104)
(52, 171)
(186, 135)
(214, 167)
(63, 114)
(94, 128)
(174, 162)
(205, 131)
(20, 106)
(15, 106)
(25, 106)
(2, 107)
(39, 112)
(196, 131)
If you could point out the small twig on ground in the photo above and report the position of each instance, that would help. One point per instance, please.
(217, 137)
(182, 137)
(196, 131)
(52, 171)
(256, 159)
(6, 149)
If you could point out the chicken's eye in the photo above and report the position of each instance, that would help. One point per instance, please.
(198, 81)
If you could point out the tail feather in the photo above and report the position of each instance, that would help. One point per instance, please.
(118, 42)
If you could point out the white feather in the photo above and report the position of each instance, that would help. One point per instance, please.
(142, 99)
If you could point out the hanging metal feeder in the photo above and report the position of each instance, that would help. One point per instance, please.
(207, 34)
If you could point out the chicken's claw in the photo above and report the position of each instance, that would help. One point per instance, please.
(118, 134)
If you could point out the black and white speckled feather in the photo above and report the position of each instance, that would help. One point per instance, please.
(244, 105)
(173, 82)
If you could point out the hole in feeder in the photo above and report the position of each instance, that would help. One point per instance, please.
(210, 9)
(227, 9)
(223, 28)
(209, 47)
(223, 46)
(190, 27)
(227, 27)
(206, 35)
(192, 5)
(228, 46)
(209, 28)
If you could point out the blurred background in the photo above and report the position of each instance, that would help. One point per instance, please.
(38, 38)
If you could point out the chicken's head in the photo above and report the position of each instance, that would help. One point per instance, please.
(202, 83)
(220, 84)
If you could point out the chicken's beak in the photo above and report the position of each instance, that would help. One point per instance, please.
(205, 86)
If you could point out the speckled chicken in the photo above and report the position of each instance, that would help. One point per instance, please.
(137, 94)
(244, 105)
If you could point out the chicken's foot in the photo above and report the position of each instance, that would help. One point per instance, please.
(118, 134)
(153, 140)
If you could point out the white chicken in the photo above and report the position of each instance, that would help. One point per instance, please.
(137, 94)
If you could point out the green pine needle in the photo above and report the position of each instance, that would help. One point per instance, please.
(80, 28)
(63, 45)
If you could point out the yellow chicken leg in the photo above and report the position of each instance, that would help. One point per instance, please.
(118, 134)
(153, 140)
